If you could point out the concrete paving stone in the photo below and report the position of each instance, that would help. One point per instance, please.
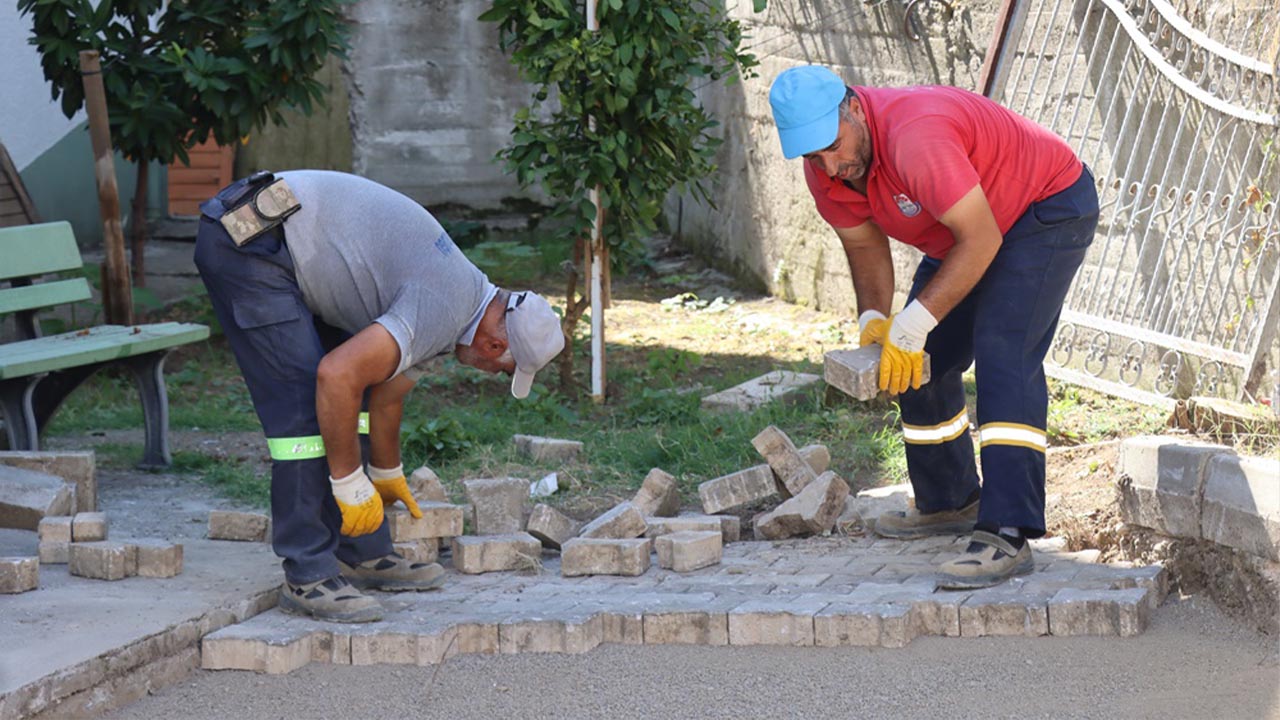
(780, 385)
(657, 526)
(438, 520)
(27, 496)
(89, 527)
(1149, 577)
(938, 614)
(686, 627)
(385, 647)
(104, 560)
(784, 459)
(552, 527)
(426, 485)
(856, 372)
(689, 550)
(730, 528)
(604, 556)
(19, 574)
(55, 529)
(495, 553)
(497, 504)
(157, 558)
(774, 622)
(1003, 611)
(623, 521)
(658, 496)
(890, 546)
(53, 553)
(1074, 611)
(239, 526)
(331, 647)
(882, 625)
(76, 468)
(621, 627)
(813, 510)
(818, 456)
(873, 593)
(550, 635)
(1241, 507)
(263, 648)
(544, 449)
(735, 490)
(418, 551)
(1161, 482)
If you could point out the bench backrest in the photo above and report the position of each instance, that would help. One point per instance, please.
(28, 252)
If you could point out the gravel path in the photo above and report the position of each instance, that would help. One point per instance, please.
(1191, 663)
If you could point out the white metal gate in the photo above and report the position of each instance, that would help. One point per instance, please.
(1177, 111)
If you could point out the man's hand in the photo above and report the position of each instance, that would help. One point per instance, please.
(392, 487)
(360, 503)
(902, 359)
(873, 327)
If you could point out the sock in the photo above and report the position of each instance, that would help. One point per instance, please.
(1011, 532)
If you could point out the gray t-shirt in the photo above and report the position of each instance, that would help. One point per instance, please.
(364, 253)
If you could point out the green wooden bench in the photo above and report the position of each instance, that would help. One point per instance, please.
(38, 373)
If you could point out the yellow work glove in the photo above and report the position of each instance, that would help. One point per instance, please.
(360, 503)
(873, 326)
(392, 486)
(902, 359)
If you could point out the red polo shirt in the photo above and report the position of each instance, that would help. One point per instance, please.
(930, 146)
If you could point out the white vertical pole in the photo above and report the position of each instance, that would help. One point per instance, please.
(597, 262)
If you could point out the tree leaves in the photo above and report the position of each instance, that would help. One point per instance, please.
(177, 73)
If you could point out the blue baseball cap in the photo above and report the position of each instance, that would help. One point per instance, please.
(806, 108)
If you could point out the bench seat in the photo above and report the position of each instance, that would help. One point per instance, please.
(100, 344)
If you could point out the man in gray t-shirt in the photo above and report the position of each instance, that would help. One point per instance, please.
(331, 305)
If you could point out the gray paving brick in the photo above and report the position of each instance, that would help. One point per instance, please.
(689, 550)
(103, 560)
(497, 504)
(735, 490)
(55, 529)
(158, 558)
(793, 473)
(544, 449)
(623, 521)
(781, 385)
(474, 554)
(53, 553)
(1161, 481)
(75, 468)
(1099, 612)
(686, 627)
(657, 526)
(271, 649)
(19, 574)
(813, 510)
(27, 496)
(600, 556)
(770, 622)
(550, 635)
(89, 527)
(1000, 611)
(239, 526)
(856, 372)
(439, 520)
(419, 551)
(882, 625)
(658, 496)
(551, 526)
(330, 647)
(426, 485)
(1241, 507)
(384, 647)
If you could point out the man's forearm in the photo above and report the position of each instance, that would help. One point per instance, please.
(963, 267)
(872, 272)
(386, 408)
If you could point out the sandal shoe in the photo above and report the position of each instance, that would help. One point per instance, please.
(394, 572)
(989, 560)
(913, 524)
(332, 599)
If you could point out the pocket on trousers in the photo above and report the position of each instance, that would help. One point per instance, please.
(268, 322)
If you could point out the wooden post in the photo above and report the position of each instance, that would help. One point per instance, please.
(599, 260)
(117, 295)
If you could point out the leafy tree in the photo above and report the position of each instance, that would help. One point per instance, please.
(616, 108)
(177, 72)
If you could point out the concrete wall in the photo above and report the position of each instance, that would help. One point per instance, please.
(321, 141)
(765, 225)
(432, 101)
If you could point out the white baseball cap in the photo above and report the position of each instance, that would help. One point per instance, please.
(533, 336)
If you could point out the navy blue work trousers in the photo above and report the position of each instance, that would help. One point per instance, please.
(1004, 327)
(278, 345)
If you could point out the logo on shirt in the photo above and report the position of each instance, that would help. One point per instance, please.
(906, 205)
(444, 243)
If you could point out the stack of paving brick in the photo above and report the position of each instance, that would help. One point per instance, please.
(80, 542)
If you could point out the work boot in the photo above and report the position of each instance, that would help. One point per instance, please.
(914, 524)
(332, 599)
(394, 572)
(989, 560)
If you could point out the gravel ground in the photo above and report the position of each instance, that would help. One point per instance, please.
(1193, 662)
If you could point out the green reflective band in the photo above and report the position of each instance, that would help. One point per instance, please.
(362, 425)
(296, 448)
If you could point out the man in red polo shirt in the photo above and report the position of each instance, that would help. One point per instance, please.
(1004, 212)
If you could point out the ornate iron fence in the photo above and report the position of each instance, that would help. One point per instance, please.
(1177, 111)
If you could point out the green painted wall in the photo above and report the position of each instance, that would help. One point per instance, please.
(62, 186)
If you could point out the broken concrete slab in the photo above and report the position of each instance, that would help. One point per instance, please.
(497, 504)
(79, 468)
(604, 556)
(813, 511)
(544, 449)
(784, 459)
(689, 550)
(104, 560)
(26, 496)
(622, 522)
(239, 526)
(426, 485)
(1241, 507)
(89, 527)
(778, 385)
(659, 495)
(856, 372)
(19, 574)
(552, 527)
(474, 554)
(1161, 481)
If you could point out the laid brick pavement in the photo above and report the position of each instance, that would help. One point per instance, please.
(819, 591)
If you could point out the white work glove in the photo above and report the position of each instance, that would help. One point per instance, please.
(360, 503)
(902, 359)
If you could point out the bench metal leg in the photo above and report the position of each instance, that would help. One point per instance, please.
(148, 371)
(19, 416)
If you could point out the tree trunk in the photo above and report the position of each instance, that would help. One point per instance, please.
(138, 218)
(573, 308)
